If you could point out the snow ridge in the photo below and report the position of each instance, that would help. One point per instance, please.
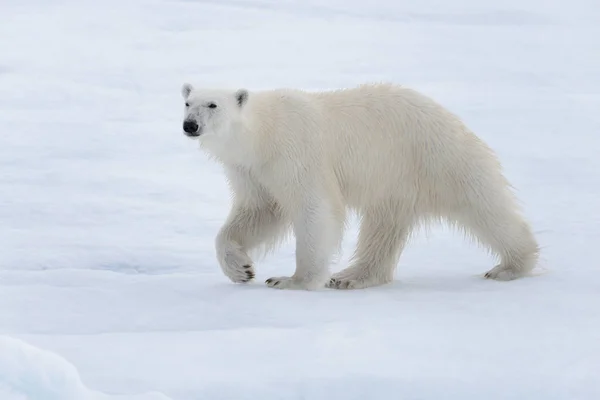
(30, 373)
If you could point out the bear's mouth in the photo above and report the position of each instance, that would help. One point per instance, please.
(193, 134)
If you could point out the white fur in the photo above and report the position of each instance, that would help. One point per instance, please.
(298, 161)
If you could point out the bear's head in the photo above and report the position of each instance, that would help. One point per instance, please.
(212, 114)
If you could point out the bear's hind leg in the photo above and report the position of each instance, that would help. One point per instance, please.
(383, 235)
(496, 223)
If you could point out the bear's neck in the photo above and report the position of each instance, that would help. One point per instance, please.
(242, 149)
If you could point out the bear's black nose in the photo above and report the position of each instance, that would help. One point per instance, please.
(190, 126)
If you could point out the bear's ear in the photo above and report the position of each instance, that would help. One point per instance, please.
(186, 89)
(241, 96)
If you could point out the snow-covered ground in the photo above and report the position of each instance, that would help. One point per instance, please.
(108, 283)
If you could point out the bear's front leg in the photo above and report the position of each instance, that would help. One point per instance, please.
(318, 230)
(247, 227)
(234, 261)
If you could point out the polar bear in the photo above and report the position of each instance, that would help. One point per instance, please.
(299, 161)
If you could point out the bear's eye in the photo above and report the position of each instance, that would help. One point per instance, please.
(187, 104)
(211, 105)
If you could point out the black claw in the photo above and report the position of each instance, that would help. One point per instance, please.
(276, 283)
(269, 280)
(247, 266)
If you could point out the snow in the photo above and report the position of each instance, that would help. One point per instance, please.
(109, 288)
(28, 372)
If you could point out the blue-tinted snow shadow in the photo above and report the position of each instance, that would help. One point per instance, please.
(405, 385)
